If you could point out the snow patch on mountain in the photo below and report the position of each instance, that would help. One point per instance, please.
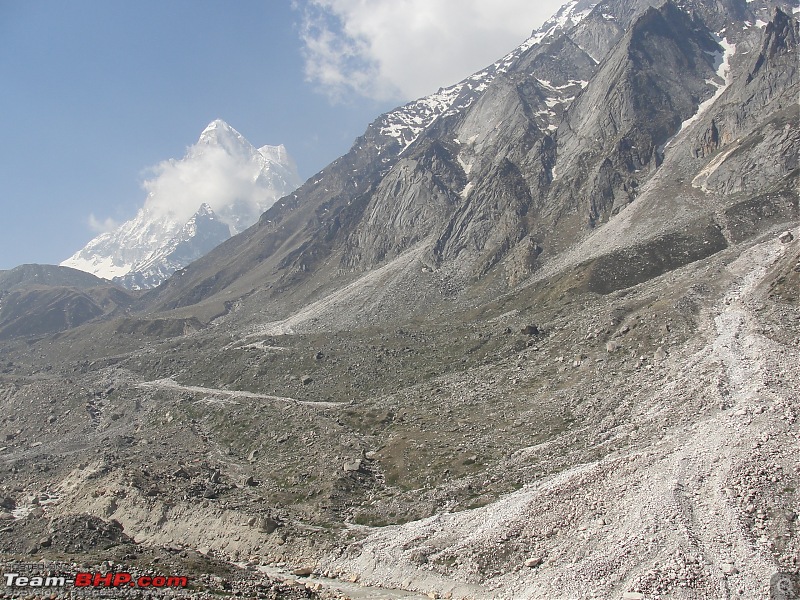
(405, 124)
(723, 68)
(569, 15)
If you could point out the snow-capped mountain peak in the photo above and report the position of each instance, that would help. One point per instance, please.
(230, 180)
(276, 154)
(203, 211)
(219, 134)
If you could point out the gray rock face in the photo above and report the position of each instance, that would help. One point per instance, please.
(649, 84)
(752, 136)
(562, 136)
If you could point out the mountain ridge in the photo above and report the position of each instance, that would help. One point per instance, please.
(529, 253)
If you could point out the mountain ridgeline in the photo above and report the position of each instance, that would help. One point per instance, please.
(679, 108)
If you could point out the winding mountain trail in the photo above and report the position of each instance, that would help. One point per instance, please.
(171, 384)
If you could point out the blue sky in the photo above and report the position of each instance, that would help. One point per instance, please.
(95, 92)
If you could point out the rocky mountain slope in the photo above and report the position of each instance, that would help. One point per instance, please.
(42, 299)
(535, 336)
(496, 187)
(175, 227)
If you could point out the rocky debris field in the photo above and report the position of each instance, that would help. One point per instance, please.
(642, 442)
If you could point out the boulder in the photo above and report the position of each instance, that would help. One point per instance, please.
(351, 466)
(534, 561)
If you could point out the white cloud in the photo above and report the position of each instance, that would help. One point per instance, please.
(215, 177)
(229, 183)
(405, 49)
(103, 226)
(223, 170)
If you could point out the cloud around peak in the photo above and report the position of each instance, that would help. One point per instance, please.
(405, 49)
(178, 187)
(222, 170)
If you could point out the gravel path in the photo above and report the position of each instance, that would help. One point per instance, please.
(170, 384)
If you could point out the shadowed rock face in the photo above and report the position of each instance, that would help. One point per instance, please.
(534, 333)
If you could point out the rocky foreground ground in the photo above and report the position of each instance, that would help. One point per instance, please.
(638, 445)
